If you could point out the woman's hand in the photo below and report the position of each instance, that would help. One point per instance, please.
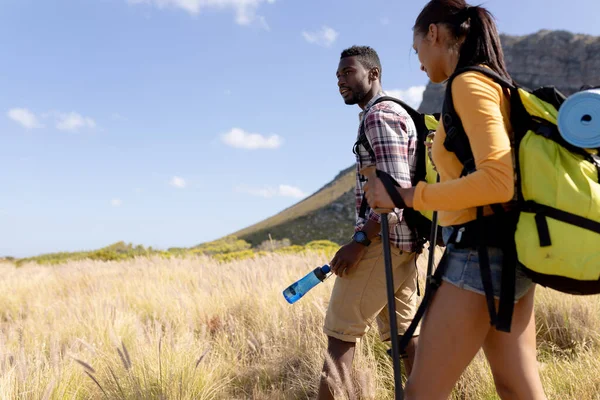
(377, 196)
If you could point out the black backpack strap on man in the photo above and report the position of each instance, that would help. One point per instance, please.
(419, 224)
(364, 141)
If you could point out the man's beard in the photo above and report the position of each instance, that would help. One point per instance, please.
(357, 97)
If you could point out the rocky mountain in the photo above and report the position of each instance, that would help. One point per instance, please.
(562, 59)
(565, 60)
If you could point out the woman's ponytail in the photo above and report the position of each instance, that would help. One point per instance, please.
(482, 42)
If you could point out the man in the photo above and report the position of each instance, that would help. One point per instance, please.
(359, 295)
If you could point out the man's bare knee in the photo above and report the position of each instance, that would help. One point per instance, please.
(337, 366)
(339, 349)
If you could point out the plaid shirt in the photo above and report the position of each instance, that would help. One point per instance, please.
(392, 135)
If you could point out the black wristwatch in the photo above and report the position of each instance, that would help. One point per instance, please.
(361, 237)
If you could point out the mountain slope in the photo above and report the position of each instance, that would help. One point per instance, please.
(327, 214)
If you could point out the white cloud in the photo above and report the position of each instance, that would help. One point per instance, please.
(73, 122)
(244, 10)
(24, 117)
(116, 202)
(411, 96)
(270, 191)
(324, 37)
(244, 140)
(291, 191)
(178, 182)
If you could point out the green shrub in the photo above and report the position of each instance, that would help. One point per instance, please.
(234, 256)
(293, 249)
(322, 245)
(229, 244)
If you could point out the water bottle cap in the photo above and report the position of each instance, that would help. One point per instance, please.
(326, 269)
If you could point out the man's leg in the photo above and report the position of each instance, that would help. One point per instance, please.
(355, 301)
(342, 355)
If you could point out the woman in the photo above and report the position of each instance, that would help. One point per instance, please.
(449, 34)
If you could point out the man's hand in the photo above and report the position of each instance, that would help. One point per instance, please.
(346, 258)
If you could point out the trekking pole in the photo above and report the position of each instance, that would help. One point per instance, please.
(371, 173)
(432, 243)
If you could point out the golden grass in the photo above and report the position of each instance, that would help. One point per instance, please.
(195, 329)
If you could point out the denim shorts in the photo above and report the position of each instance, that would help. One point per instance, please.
(462, 269)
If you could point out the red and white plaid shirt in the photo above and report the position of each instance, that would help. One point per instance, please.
(392, 135)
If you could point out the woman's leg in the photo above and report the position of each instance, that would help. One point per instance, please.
(512, 356)
(454, 329)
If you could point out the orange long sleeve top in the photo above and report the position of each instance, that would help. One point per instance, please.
(484, 109)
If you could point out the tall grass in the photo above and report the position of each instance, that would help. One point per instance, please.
(192, 328)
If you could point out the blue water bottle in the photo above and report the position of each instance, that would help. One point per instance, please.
(298, 289)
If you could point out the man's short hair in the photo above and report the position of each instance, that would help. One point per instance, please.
(366, 55)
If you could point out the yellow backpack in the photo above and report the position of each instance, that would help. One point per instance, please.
(555, 232)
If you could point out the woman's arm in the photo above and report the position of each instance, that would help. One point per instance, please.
(477, 101)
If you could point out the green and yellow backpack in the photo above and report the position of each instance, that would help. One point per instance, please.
(556, 232)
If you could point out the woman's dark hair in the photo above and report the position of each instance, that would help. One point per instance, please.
(475, 24)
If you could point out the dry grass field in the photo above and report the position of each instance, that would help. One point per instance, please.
(192, 328)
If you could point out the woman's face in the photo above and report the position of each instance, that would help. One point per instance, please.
(432, 52)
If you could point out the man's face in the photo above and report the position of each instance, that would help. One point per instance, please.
(353, 80)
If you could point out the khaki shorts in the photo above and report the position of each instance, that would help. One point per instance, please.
(361, 296)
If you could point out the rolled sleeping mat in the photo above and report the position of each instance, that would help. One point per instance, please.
(579, 119)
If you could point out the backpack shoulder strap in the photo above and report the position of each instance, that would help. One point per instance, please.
(364, 142)
(421, 128)
(417, 117)
(456, 138)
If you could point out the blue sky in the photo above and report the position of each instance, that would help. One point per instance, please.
(174, 122)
